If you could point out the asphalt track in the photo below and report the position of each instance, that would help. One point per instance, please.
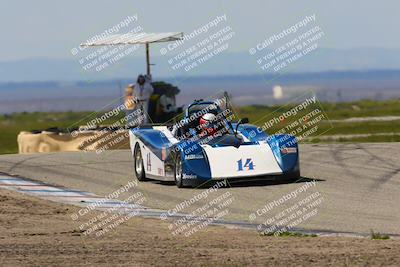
(359, 184)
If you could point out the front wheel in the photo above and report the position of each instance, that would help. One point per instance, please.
(138, 164)
(293, 176)
(178, 171)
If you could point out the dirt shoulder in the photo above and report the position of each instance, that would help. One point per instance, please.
(38, 232)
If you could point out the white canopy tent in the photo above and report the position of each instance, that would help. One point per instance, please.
(137, 38)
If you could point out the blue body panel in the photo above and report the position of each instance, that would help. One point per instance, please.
(195, 161)
(287, 162)
(153, 140)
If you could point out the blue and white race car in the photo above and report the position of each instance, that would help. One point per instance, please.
(205, 145)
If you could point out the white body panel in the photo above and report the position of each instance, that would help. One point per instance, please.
(151, 163)
(167, 133)
(224, 161)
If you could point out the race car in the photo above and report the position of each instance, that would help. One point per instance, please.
(206, 145)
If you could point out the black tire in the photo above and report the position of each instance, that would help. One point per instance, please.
(178, 171)
(293, 176)
(138, 164)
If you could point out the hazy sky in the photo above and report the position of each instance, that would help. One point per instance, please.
(51, 28)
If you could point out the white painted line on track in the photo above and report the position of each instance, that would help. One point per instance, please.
(85, 199)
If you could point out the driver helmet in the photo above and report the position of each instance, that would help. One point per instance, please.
(207, 122)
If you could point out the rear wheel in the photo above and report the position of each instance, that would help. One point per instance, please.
(138, 164)
(178, 171)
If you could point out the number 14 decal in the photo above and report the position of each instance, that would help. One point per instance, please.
(249, 165)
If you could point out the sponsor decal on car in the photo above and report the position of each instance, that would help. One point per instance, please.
(189, 176)
(194, 156)
(288, 150)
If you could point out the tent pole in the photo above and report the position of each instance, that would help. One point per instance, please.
(147, 59)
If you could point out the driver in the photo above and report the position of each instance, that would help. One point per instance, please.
(208, 125)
